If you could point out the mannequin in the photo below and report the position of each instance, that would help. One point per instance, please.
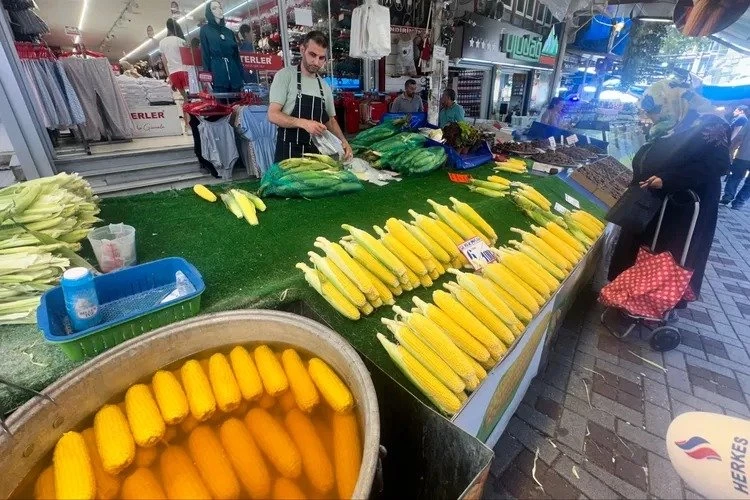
(219, 51)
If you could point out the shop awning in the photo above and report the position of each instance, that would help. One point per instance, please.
(737, 36)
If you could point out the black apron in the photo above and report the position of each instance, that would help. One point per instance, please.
(294, 142)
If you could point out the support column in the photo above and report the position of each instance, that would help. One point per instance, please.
(283, 28)
(557, 74)
(436, 76)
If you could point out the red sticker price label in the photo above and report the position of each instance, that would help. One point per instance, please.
(205, 77)
(459, 178)
(477, 253)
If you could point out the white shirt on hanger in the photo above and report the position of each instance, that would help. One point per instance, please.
(170, 47)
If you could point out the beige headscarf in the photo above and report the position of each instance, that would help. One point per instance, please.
(668, 103)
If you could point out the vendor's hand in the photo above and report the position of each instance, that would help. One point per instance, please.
(313, 127)
(347, 151)
(652, 182)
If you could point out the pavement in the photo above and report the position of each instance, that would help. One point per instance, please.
(598, 413)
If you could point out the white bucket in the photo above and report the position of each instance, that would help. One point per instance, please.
(114, 246)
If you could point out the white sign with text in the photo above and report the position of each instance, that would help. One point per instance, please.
(156, 121)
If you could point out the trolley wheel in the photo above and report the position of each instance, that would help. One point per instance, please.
(664, 338)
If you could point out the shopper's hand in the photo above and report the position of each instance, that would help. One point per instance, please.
(347, 151)
(652, 182)
(313, 127)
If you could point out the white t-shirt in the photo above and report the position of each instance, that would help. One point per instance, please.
(170, 47)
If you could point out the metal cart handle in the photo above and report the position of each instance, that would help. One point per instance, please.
(696, 210)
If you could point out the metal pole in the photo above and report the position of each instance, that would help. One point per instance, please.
(557, 73)
(284, 33)
(436, 76)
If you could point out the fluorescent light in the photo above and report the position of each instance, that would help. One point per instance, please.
(562, 89)
(153, 52)
(589, 88)
(82, 18)
(720, 108)
(654, 20)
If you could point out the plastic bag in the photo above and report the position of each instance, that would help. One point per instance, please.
(328, 144)
(307, 183)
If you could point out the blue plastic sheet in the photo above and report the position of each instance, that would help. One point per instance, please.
(482, 155)
(254, 126)
(416, 120)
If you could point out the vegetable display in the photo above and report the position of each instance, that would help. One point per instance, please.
(462, 137)
(248, 424)
(312, 176)
(41, 225)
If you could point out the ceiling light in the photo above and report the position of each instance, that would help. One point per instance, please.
(654, 20)
(589, 88)
(153, 52)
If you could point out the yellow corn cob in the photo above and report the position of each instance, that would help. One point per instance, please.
(527, 273)
(587, 217)
(377, 249)
(533, 195)
(464, 229)
(333, 389)
(254, 199)
(107, 485)
(581, 230)
(246, 458)
(286, 489)
(437, 251)
(339, 279)
(436, 391)
(542, 247)
(246, 374)
(434, 230)
(498, 180)
(487, 317)
(315, 461)
(144, 417)
(246, 206)
(329, 292)
(534, 294)
(485, 293)
(540, 259)
(557, 244)
(204, 193)
(224, 385)
(347, 454)
(507, 167)
(213, 464)
(455, 237)
(270, 370)
(170, 397)
(275, 443)
(385, 294)
(476, 220)
(518, 309)
(565, 236)
(302, 386)
(113, 439)
(74, 476)
(439, 267)
(396, 291)
(142, 484)
(532, 266)
(425, 355)
(286, 401)
(349, 266)
(414, 279)
(434, 274)
(180, 478)
(198, 390)
(584, 221)
(479, 371)
(399, 231)
(402, 253)
(365, 258)
(44, 486)
(453, 330)
(505, 279)
(144, 457)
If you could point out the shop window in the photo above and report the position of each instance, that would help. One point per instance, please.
(507, 10)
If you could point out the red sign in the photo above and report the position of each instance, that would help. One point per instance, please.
(459, 178)
(261, 62)
(396, 29)
(205, 77)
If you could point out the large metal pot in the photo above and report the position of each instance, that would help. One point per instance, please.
(38, 424)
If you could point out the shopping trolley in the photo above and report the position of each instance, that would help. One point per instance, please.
(621, 323)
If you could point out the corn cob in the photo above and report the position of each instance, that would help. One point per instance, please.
(587, 217)
(329, 292)
(270, 370)
(113, 439)
(246, 374)
(170, 397)
(247, 207)
(347, 455)
(579, 233)
(142, 484)
(204, 193)
(547, 251)
(425, 281)
(349, 266)
(497, 348)
(437, 251)
(410, 260)
(485, 293)
(334, 391)
(286, 401)
(435, 231)
(584, 225)
(107, 485)
(315, 461)
(414, 281)
(44, 486)
(286, 489)
(455, 237)
(471, 215)
(254, 199)
(434, 274)
(540, 259)
(527, 274)
(245, 457)
(146, 423)
(224, 384)
(439, 267)
(533, 195)
(396, 291)
(300, 383)
(363, 257)
(339, 279)
(377, 250)
(492, 193)
(479, 371)
(540, 300)
(531, 266)
(73, 474)
(565, 236)
(144, 457)
(505, 279)
(399, 231)
(275, 443)
(557, 244)
(425, 355)
(453, 330)
(460, 225)
(385, 295)
(499, 180)
(198, 390)
(421, 377)
(213, 464)
(180, 478)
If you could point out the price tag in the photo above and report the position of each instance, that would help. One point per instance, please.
(205, 77)
(569, 199)
(552, 143)
(459, 178)
(477, 253)
(571, 139)
(561, 209)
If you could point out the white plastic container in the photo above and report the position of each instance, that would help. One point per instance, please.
(114, 246)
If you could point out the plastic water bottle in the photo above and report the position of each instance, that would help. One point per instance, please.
(81, 301)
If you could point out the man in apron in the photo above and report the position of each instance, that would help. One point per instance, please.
(302, 103)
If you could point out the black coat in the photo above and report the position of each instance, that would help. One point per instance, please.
(693, 157)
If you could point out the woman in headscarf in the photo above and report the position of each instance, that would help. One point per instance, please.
(687, 148)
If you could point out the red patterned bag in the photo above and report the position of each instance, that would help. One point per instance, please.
(653, 286)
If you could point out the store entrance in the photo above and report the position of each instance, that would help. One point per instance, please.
(508, 94)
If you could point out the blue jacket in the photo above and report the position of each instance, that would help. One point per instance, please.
(220, 54)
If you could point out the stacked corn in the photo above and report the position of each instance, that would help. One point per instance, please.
(241, 203)
(252, 423)
(362, 272)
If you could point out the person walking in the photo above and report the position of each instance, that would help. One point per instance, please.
(171, 57)
(738, 172)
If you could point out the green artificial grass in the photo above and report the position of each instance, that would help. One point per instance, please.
(247, 266)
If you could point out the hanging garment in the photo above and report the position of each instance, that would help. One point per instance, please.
(217, 144)
(197, 149)
(220, 54)
(37, 97)
(253, 126)
(74, 104)
(370, 36)
(49, 80)
(26, 23)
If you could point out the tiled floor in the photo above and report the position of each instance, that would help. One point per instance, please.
(598, 414)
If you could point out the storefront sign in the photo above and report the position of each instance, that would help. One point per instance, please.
(522, 48)
(551, 48)
(72, 31)
(156, 121)
(400, 30)
(261, 62)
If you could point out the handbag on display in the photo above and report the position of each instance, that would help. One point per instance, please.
(635, 209)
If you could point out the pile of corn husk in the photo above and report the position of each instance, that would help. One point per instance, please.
(42, 222)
